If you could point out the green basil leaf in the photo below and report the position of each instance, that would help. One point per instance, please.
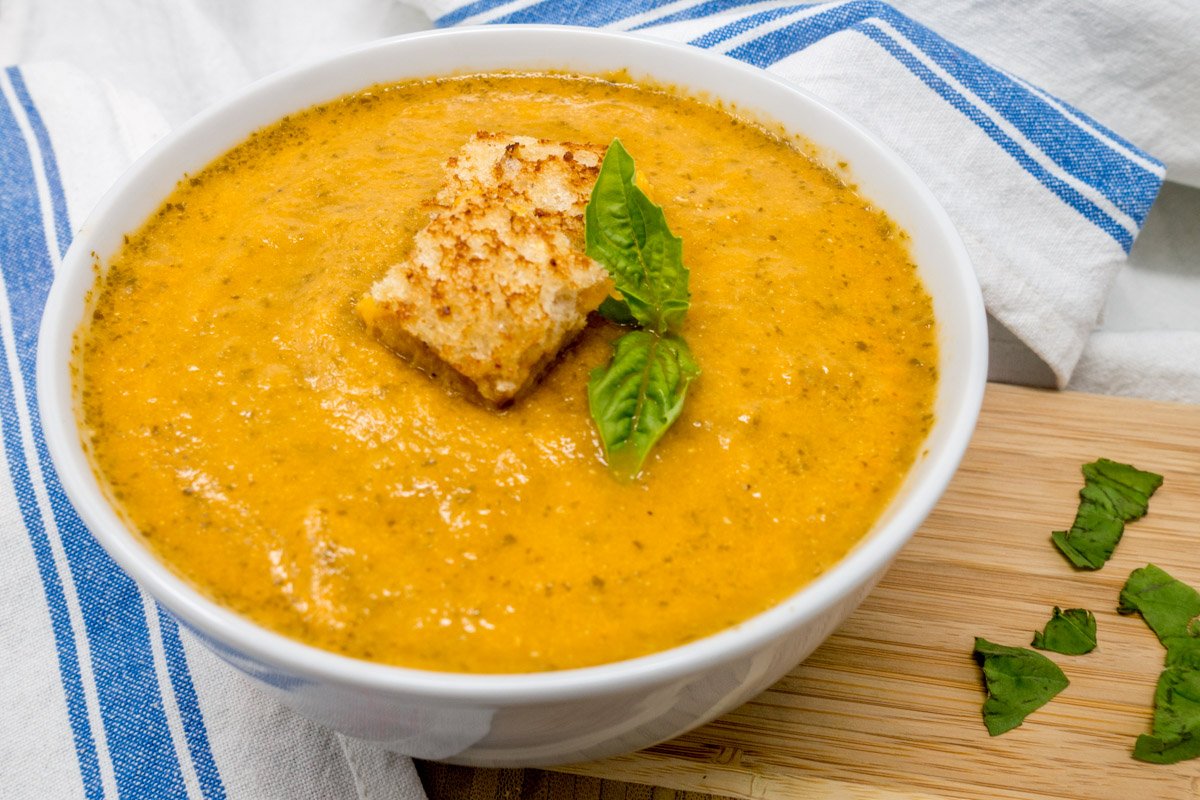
(1090, 543)
(1071, 632)
(1176, 726)
(1018, 682)
(1112, 495)
(1122, 489)
(1185, 651)
(1168, 606)
(638, 395)
(617, 311)
(1166, 751)
(627, 233)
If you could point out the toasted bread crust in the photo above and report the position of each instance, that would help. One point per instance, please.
(497, 282)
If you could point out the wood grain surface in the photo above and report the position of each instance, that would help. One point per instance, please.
(889, 707)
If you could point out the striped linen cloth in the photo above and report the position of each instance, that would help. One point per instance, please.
(104, 696)
(1048, 200)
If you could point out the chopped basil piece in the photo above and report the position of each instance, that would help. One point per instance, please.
(1112, 495)
(1018, 682)
(1170, 608)
(1071, 632)
(1176, 726)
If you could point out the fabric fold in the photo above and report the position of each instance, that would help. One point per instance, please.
(1048, 201)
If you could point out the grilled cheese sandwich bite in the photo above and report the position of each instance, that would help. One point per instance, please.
(497, 282)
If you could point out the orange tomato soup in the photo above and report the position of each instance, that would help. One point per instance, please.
(279, 458)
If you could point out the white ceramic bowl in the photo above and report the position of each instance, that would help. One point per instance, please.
(572, 715)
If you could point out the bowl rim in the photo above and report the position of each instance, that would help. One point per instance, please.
(870, 556)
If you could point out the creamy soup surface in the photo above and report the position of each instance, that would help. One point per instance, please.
(278, 457)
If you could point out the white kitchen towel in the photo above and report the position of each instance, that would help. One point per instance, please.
(1048, 200)
(103, 695)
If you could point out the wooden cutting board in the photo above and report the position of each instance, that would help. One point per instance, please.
(889, 707)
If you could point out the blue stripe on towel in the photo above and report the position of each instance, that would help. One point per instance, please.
(211, 785)
(705, 9)
(1097, 126)
(751, 21)
(467, 11)
(590, 14)
(62, 226)
(1064, 191)
(139, 742)
(14, 206)
(1127, 184)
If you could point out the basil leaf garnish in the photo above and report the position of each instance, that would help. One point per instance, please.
(1112, 495)
(617, 311)
(639, 394)
(1071, 632)
(1018, 682)
(626, 232)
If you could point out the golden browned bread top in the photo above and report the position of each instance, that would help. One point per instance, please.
(497, 282)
